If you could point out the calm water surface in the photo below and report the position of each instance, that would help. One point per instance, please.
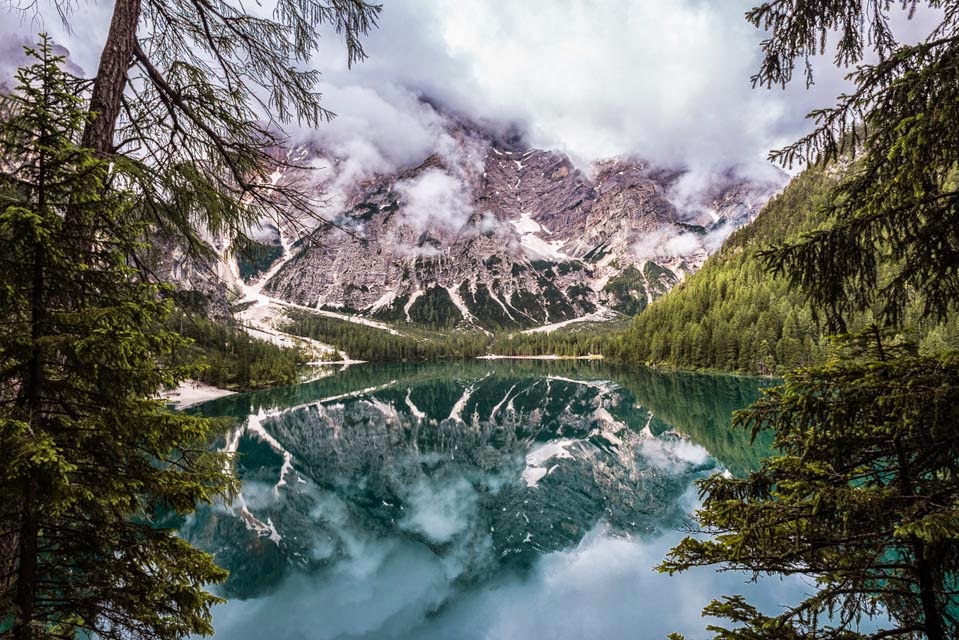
(508, 499)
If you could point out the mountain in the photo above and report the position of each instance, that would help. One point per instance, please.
(734, 315)
(488, 234)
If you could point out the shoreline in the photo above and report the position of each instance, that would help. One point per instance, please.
(190, 393)
(595, 356)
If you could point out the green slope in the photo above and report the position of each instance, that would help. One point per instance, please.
(732, 315)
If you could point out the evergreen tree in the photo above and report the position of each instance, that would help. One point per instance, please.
(890, 230)
(197, 92)
(865, 496)
(89, 464)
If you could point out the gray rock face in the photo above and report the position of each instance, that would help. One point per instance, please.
(199, 282)
(495, 237)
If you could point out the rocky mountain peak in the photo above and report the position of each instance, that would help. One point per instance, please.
(489, 233)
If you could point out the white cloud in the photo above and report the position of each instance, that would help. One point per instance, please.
(674, 455)
(434, 197)
(439, 511)
(83, 35)
(488, 224)
(667, 80)
(660, 79)
(666, 243)
(376, 129)
(603, 588)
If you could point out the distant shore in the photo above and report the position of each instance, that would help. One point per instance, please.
(191, 392)
(595, 356)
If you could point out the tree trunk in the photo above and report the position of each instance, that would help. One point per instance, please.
(935, 630)
(932, 617)
(28, 562)
(108, 87)
(111, 78)
(31, 401)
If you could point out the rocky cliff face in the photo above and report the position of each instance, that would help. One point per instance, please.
(493, 235)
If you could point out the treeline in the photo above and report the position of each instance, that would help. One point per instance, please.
(376, 345)
(416, 343)
(560, 343)
(226, 356)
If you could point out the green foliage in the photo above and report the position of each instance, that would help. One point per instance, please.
(890, 230)
(376, 345)
(214, 85)
(435, 309)
(734, 315)
(551, 300)
(254, 258)
(864, 499)
(393, 312)
(417, 343)
(226, 356)
(86, 457)
(569, 343)
(628, 290)
(487, 311)
(529, 305)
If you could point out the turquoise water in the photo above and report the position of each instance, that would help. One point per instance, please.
(506, 499)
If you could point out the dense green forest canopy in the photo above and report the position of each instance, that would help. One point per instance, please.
(88, 455)
(226, 356)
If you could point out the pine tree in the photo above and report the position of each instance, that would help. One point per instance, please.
(198, 92)
(89, 464)
(889, 233)
(864, 497)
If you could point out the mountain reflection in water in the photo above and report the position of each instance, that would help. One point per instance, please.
(504, 499)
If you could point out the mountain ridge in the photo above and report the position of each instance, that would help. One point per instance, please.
(489, 238)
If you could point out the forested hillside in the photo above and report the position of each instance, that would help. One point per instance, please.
(376, 345)
(226, 356)
(733, 315)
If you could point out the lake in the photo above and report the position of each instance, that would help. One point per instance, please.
(479, 499)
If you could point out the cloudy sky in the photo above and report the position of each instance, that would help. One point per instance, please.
(666, 80)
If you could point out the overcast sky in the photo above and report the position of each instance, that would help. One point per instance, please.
(666, 80)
